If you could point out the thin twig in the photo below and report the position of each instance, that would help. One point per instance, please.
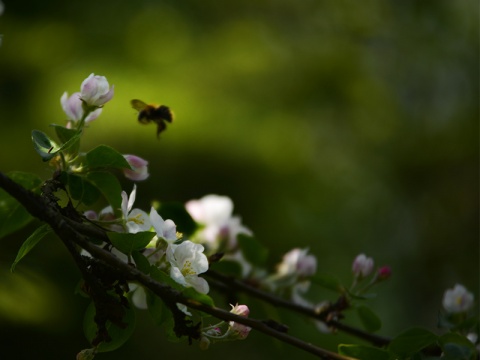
(235, 284)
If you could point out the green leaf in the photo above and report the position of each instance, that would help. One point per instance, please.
(106, 157)
(127, 243)
(363, 352)
(412, 341)
(328, 282)
(141, 262)
(456, 346)
(63, 133)
(193, 294)
(253, 250)
(228, 268)
(164, 278)
(108, 185)
(157, 308)
(13, 215)
(43, 145)
(119, 336)
(30, 243)
(370, 321)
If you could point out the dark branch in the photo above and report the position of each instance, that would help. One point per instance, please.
(38, 207)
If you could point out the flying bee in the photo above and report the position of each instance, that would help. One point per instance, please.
(153, 113)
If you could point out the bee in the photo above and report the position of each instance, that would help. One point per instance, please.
(153, 113)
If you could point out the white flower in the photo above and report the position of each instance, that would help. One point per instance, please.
(95, 90)
(136, 220)
(187, 260)
(72, 106)
(139, 168)
(458, 299)
(362, 266)
(165, 229)
(297, 262)
(214, 212)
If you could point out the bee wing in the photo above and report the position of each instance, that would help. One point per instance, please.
(138, 105)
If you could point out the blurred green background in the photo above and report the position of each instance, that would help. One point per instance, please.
(341, 126)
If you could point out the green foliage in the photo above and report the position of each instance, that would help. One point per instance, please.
(43, 145)
(411, 341)
(119, 335)
(370, 321)
(193, 294)
(13, 216)
(30, 243)
(457, 347)
(128, 243)
(108, 185)
(105, 157)
(157, 309)
(363, 352)
(228, 268)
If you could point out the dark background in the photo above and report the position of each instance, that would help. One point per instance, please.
(341, 126)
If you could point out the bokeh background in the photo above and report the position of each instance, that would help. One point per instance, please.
(342, 126)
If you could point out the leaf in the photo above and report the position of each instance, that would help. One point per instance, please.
(328, 282)
(456, 346)
(30, 243)
(106, 157)
(43, 145)
(63, 133)
(108, 185)
(141, 262)
(412, 341)
(227, 268)
(119, 336)
(363, 352)
(127, 243)
(370, 321)
(253, 250)
(13, 215)
(193, 294)
(157, 308)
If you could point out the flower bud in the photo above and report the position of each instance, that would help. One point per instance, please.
(297, 262)
(72, 106)
(95, 90)
(86, 354)
(236, 330)
(204, 343)
(139, 169)
(241, 310)
(458, 299)
(362, 266)
(384, 273)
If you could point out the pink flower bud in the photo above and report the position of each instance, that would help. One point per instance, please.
(72, 106)
(139, 169)
(384, 273)
(241, 310)
(362, 266)
(239, 331)
(95, 90)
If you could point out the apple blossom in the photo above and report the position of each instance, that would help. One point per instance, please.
(384, 273)
(458, 299)
(214, 212)
(95, 90)
(362, 266)
(187, 260)
(297, 262)
(165, 229)
(139, 168)
(72, 106)
(135, 220)
(237, 330)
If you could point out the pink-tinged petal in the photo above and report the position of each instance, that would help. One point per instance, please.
(139, 168)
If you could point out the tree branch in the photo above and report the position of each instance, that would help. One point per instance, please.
(323, 315)
(38, 207)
